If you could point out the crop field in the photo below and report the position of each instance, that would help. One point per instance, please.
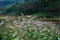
(29, 28)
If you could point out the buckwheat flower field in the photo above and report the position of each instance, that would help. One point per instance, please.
(27, 28)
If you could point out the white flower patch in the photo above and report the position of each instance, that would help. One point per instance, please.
(22, 39)
(58, 38)
(51, 38)
(10, 26)
(14, 35)
(28, 15)
(15, 32)
(14, 21)
(1, 23)
(45, 37)
(6, 17)
(16, 38)
(44, 29)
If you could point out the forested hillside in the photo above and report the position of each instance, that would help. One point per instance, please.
(48, 8)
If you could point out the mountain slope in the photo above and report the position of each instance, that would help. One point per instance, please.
(50, 8)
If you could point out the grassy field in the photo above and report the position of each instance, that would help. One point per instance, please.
(28, 28)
